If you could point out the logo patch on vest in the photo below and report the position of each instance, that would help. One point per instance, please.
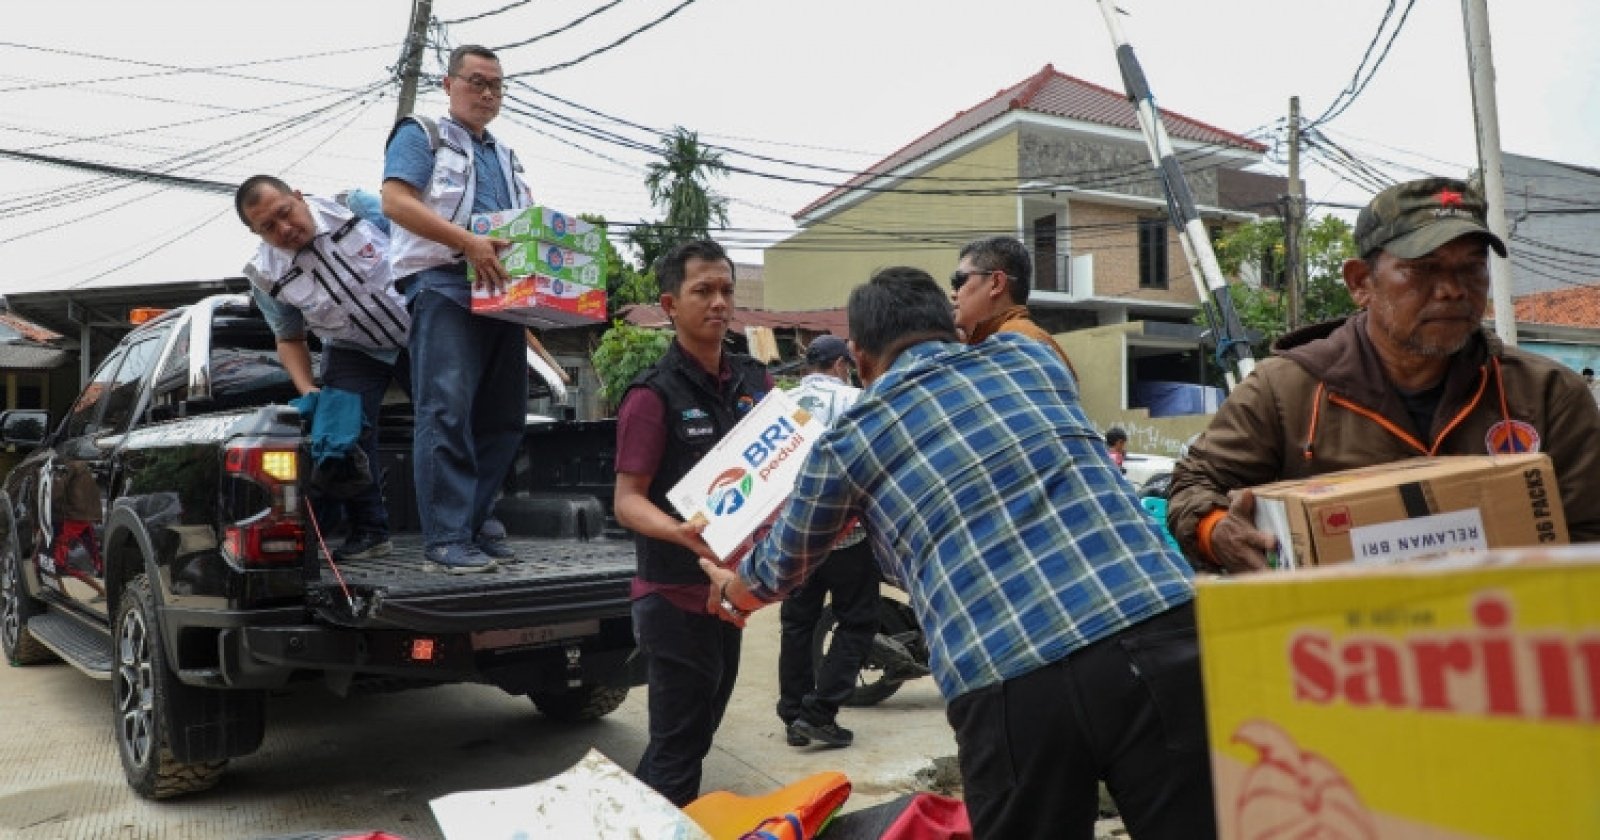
(368, 251)
(746, 402)
(696, 425)
(1511, 437)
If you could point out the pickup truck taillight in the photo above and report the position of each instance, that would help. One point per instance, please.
(263, 504)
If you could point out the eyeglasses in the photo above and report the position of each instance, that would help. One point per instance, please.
(480, 84)
(959, 278)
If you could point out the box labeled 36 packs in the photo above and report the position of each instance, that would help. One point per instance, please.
(1457, 698)
(1414, 508)
(557, 265)
(738, 487)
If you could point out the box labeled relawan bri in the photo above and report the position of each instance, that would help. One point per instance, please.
(738, 487)
(1444, 699)
(1414, 508)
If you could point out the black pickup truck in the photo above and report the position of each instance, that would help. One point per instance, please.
(157, 538)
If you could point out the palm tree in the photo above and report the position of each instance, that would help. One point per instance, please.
(680, 184)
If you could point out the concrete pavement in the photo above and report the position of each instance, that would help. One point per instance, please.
(374, 761)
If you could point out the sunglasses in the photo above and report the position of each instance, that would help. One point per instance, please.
(959, 278)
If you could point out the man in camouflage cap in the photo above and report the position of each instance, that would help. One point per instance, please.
(1414, 373)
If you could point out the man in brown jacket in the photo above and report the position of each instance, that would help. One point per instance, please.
(1412, 374)
(990, 290)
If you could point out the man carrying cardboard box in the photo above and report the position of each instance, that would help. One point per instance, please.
(1413, 374)
(1060, 623)
(469, 374)
(670, 417)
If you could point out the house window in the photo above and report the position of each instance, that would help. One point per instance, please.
(1044, 253)
(1152, 253)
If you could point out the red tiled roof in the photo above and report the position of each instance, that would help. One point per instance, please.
(1053, 94)
(28, 329)
(816, 320)
(1578, 306)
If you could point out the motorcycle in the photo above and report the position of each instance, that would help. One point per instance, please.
(899, 652)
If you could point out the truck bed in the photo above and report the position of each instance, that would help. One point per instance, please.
(551, 580)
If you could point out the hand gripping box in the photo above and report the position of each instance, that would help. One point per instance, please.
(1442, 700)
(738, 487)
(1414, 508)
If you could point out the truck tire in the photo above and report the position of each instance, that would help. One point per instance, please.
(588, 702)
(150, 705)
(16, 607)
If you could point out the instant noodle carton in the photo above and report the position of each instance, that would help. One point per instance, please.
(522, 259)
(540, 301)
(1446, 699)
(1413, 508)
(541, 223)
(738, 487)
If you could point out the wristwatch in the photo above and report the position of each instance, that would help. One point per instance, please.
(728, 605)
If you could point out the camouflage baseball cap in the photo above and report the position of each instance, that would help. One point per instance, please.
(1414, 219)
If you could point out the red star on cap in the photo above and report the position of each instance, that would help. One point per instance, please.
(1449, 198)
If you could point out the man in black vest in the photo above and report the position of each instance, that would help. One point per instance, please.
(669, 419)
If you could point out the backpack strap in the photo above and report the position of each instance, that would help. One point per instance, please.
(430, 128)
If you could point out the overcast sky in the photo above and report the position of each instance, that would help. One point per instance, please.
(838, 83)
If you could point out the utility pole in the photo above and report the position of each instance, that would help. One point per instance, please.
(1486, 115)
(1294, 221)
(411, 58)
(1233, 349)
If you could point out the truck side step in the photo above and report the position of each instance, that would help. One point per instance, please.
(80, 645)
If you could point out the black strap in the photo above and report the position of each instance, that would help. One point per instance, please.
(428, 125)
(344, 229)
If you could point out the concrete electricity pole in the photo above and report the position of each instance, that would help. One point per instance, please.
(411, 59)
(1294, 222)
(1486, 114)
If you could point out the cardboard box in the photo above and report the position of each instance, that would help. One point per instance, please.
(1415, 508)
(524, 259)
(541, 223)
(738, 487)
(1450, 699)
(540, 301)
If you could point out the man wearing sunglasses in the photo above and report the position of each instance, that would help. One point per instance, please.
(469, 374)
(990, 290)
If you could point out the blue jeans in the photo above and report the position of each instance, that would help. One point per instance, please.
(469, 384)
(349, 369)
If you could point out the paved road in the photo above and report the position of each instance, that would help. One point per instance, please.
(375, 761)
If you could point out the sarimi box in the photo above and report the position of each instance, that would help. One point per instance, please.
(540, 301)
(541, 223)
(1457, 698)
(1414, 508)
(738, 487)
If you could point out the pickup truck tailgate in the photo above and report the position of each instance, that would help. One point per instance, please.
(550, 581)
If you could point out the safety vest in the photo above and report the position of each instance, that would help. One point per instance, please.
(450, 191)
(340, 281)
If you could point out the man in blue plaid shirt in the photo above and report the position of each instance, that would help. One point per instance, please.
(1060, 623)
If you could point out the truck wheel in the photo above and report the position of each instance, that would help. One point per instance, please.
(143, 689)
(16, 607)
(587, 702)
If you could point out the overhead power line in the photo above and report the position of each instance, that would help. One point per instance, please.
(1358, 83)
(128, 172)
(608, 47)
(173, 67)
(481, 15)
(560, 29)
(173, 70)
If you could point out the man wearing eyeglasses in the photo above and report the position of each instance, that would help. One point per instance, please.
(1413, 374)
(990, 289)
(469, 373)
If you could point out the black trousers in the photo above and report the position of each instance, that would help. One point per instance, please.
(1127, 709)
(693, 662)
(851, 575)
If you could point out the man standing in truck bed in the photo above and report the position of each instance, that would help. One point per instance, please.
(323, 265)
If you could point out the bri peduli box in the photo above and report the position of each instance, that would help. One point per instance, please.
(557, 265)
(1440, 700)
(1414, 508)
(738, 487)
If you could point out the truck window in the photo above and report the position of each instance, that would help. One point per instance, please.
(172, 383)
(245, 370)
(124, 392)
(93, 396)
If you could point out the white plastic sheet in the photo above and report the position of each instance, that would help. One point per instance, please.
(592, 799)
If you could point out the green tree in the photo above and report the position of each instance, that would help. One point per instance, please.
(1328, 242)
(624, 284)
(625, 351)
(680, 185)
